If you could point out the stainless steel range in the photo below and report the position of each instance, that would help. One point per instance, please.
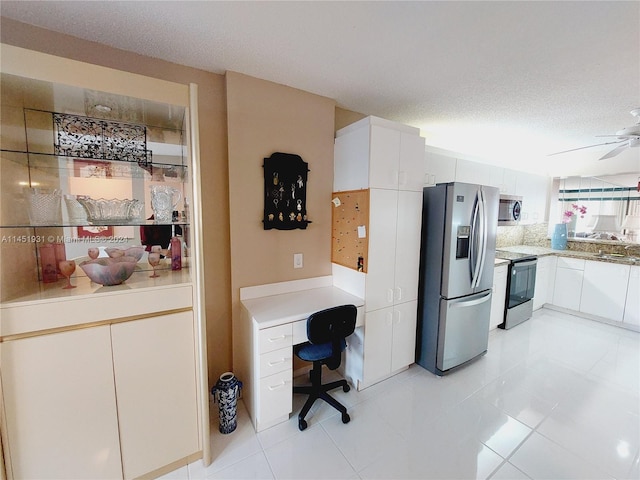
(521, 284)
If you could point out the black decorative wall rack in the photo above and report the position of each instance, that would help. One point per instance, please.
(86, 137)
(285, 192)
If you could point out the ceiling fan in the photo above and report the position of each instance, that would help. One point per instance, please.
(625, 138)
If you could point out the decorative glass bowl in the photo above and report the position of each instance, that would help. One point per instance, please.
(109, 271)
(109, 212)
(135, 252)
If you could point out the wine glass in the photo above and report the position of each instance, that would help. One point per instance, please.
(67, 267)
(154, 260)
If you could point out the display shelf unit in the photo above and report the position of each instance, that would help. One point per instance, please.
(142, 343)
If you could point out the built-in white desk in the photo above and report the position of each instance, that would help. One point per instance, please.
(274, 319)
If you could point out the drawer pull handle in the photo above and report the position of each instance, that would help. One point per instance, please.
(271, 364)
(280, 385)
(276, 339)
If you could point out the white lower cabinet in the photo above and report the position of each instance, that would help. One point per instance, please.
(632, 304)
(568, 283)
(604, 289)
(275, 396)
(154, 361)
(545, 280)
(111, 401)
(403, 348)
(390, 340)
(498, 296)
(275, 371)
(60, 406)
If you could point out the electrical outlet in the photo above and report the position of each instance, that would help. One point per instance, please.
(297, 260)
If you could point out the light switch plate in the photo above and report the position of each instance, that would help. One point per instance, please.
(297, 260)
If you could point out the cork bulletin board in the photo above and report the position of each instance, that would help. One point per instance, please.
(350, 229)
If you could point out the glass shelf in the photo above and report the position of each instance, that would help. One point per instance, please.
(136, 223)
(52, 164)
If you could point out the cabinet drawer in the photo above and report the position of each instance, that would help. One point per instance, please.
(299, 332)
(275, 338)
(276, 361)
(275, 396)
(572, 263)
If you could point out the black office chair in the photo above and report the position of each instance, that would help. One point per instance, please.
(326, 331)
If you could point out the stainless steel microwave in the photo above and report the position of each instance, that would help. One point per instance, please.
(509, 210)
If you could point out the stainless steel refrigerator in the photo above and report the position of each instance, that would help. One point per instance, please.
(459, 223)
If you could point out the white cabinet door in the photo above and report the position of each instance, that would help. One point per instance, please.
(403, 349)
(60, 406)
(439, 168)
(407, 254)
(498, 295)
(632, 305)
(534, 190)
(509, 182)
(383, 206)
(568, 288)
(472, 172)
(155, 377)
(378, 334)
(384, 157)
(604, 289)
(545, 279)
(411, 168)
(351, 161)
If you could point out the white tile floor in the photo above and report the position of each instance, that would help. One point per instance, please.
(556, 397)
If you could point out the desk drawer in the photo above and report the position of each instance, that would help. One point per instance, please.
(275, 396)
(275, 338)
(276, 361)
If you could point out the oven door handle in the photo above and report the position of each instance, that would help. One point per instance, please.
(526, 263)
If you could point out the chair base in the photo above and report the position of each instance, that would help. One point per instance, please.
(319, 391)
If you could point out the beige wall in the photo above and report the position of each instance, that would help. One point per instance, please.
(213, 152)
(264, 118)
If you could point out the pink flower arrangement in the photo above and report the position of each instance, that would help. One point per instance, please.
(575, 210)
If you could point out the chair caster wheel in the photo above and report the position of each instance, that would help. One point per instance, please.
(346, 418)
(302, 424)
(346, 388)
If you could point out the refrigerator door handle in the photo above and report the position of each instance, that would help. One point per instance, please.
(478, 233)
(473, 238)
(470, 303)
(484, 227)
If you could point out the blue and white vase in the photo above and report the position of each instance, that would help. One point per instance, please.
(226, 392)
(559, 236)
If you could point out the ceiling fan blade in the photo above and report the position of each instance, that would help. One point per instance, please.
(615, 151)
(581, 148)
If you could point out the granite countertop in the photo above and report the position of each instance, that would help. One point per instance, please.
(544, 251)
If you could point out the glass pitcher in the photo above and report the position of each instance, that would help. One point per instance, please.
(164, 200)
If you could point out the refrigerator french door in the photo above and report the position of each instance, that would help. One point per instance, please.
(459, 223)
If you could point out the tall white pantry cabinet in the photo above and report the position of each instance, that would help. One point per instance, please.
(97, 381)
(387, 159)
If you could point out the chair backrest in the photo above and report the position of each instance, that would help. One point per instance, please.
(332, 325)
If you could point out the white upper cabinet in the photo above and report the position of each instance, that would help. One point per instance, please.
(439, 168)
(377, 153)
(472, 172)
(385, 158)
(411, 168)
(534, 190)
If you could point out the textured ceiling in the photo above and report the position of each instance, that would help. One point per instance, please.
(508, 82)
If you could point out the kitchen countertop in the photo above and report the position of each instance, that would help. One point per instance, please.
(545, 251)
